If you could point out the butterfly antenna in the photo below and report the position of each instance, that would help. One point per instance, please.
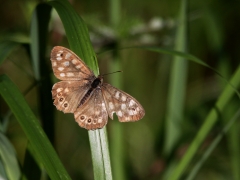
(111, 73)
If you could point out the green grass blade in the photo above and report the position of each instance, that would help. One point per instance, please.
(77, 33)
(213, 145)
(95, 143)
(30, 125)
(9, 159)
(6, 48)
(105, 153)
(117, 145)
(178, 76)
(100, 154)
(175, 53)
(78, 38)
(39, 32)
(188, 57)
(116, 139)
(234, 149)
(210, 120)
(115, 12)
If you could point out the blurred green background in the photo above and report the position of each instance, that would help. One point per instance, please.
(152, 147)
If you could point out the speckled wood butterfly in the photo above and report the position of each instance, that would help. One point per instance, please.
(82, 93)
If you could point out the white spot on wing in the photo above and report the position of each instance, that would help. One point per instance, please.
(74, 61)
(60, 68)
(62, 74)
(59, 58)
(66, 90)
(123, 106)
(99, 120)
(66, 63)
(68, 55)
(117, 94)
(135, 112)
(130, 113)
(131, 103)
(119, 113)
(104, 107)
(124, 98)
(78, 66)
(111, 105)
(59, 89)
(69, 74)
(97, 112)
(54, 63)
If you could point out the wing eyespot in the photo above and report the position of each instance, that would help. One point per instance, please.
(82, 117)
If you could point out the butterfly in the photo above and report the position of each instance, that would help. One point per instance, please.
(82, 93)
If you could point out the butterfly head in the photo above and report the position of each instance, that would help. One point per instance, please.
(100, 78)
(98, 81)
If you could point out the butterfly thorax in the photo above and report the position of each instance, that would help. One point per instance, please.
(96, 82)
(94, 85)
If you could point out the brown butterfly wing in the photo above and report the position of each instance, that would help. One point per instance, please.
(67, 94)
(92, 114)
(76, 76)
(125, 106)
(67, 65)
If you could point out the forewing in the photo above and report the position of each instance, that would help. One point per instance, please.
(125, 106)
(93, 114)
(67, 94)
(67, 65)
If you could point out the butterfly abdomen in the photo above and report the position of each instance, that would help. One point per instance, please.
(85, 97)
(94, 85)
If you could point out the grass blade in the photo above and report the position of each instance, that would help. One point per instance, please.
(30, 125)
(9, 159)
(213, 146)
(78, 38)
(116, 139)
(6, 48)
(178, 76)
(39, 31)
(210, 120)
